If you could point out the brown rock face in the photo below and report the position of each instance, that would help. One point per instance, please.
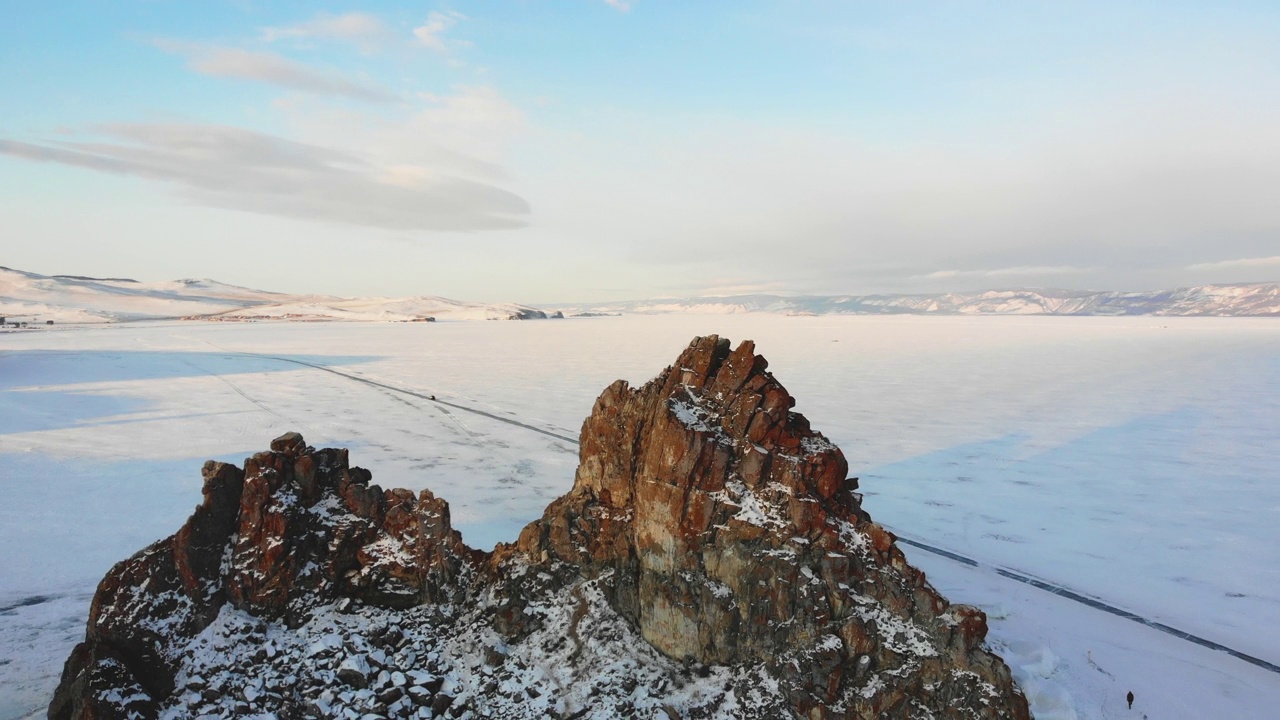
(706, 519)
(726, 530)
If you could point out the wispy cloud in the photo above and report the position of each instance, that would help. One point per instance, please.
(466, 132)
(1241, 264)
(271, 69)
(725, 287)
(238, 169)
(1017, 271)
(620, 5)
(359, 28)
(431, 33)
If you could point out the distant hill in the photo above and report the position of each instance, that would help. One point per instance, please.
(1258, 299)
(31, 297)
(83, 277)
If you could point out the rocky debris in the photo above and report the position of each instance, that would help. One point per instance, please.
(711, 561)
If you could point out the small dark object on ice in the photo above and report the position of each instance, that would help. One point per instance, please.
(433, 397)
(1129, 697)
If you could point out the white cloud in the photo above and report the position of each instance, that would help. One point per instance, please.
(431, 33)
(237, 169)
(362, 29)
(1243, 263)
(1098, 200)
(620, 5)
(220, 61)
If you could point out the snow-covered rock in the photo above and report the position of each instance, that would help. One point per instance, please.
(712, 560)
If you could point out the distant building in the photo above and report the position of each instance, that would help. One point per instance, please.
(48, 322)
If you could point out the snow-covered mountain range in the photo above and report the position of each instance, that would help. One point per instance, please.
(1258, 299)
(29, 297)
(34, 298)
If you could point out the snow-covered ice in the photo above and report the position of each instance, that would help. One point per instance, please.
(1127, 458)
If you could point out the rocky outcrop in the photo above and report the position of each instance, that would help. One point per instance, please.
(712, 560)
(295, 529)
(728, 534)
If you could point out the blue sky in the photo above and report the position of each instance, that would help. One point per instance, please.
(559, 151)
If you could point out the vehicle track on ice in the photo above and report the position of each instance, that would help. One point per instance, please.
(412, 393)
(1087, 600)
(234, 387)
(1015, 575)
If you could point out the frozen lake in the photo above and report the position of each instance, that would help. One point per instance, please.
(1132, 459)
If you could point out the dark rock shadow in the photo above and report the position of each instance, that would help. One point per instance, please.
(33, 397)
(38, 368)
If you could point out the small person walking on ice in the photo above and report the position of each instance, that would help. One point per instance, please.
(1129, 697)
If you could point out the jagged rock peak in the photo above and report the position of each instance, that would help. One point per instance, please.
(724, 528)
(712, 560)
(712, 399)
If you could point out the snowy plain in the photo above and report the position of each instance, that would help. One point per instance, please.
(39, 299)
(1131, 459)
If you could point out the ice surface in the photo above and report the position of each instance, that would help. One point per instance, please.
(1127, 458)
